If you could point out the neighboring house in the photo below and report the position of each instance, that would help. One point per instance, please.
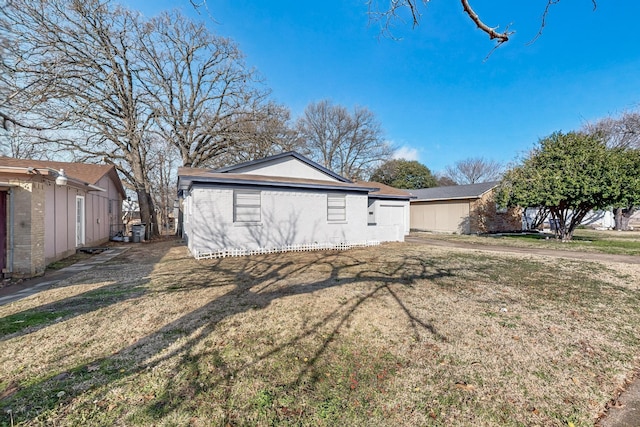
(285, 200)
(598, 220)
(462, 209)
(634, 220)
(50, 209)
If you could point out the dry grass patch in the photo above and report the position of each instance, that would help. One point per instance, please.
(594, 241)
(397, 334)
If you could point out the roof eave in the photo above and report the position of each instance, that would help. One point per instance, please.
(390, 196)
(440, 199)
(190, 181)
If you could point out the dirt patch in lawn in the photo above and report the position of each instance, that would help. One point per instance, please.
(397, 334)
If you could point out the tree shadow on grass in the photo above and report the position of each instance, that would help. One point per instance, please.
(142, 260)
(256, 283)
(32, 320)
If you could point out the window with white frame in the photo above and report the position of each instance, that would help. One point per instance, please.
(246, 206)
(336, 208)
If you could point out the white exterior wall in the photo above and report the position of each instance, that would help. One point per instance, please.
(288, 166)
(287, 218)
(634, 221)
(391, 220)
(599, 219)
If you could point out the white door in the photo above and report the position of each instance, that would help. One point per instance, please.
(80, 221)
(392, 216)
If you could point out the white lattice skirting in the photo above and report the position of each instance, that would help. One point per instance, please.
(234, 252)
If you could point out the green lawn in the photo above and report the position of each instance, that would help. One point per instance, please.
(400, 334)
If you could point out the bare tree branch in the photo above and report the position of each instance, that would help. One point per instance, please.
(394, 8)
(493, 34)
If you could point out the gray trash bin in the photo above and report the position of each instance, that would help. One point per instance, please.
(137, 232)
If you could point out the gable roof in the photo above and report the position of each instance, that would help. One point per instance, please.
(83, 172)
(269, 159)
(188, 176)
(454, 192)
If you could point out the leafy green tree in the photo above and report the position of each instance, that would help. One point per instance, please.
(572, 174)
(401, 173)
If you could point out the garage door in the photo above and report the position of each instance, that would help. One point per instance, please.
(445, 217)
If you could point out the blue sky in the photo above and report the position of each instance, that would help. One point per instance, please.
(431, 88)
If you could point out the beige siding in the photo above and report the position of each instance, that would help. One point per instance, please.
(60, 226)
(111, 216)
(444, 217)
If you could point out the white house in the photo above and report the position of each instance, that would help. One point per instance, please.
(282, 202)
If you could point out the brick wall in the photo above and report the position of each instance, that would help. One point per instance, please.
(28, 229)
(485, 218)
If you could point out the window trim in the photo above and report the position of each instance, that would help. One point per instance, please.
(334, 210)
(255, 206)
(81, 221)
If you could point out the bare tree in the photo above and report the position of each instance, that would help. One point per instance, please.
(19, 143)
(15, 100)
(267, 132)
(621, 132)
(81, 66)
(163, 163)
(202, 94)
(474, 170)
(391, 12)
(113, 84)
(350, 144)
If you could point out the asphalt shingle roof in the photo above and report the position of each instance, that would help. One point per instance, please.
(188, 175)
(80, 171)
(452, 192)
